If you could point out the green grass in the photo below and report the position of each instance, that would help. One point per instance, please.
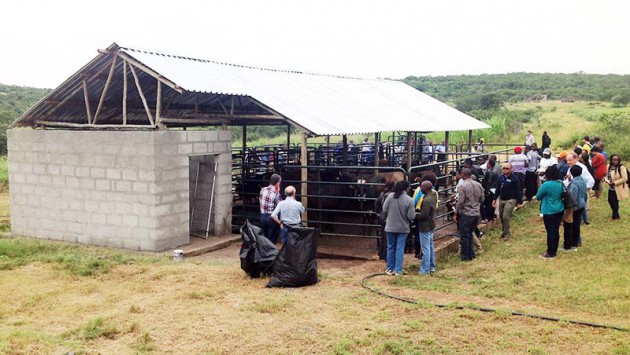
(4, 172)
(73, 259)
(592, 283)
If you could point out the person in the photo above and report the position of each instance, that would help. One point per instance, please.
(490, 182)
(470, 197)
(546, 161)
(519, 163)
(268, 199)
(440, 149)
(563, 167)
(586, 144)
(509, 194)
(577, 190)
(426, 227)
(418, 197)
(398, 212)
(546, 141)
(481, 145)
(531, 179)
(288, 213)
(378, 209)
(529, 139)
(599, 166)
(600, 147)
(587, 174)
(616, 178)
(552, 208)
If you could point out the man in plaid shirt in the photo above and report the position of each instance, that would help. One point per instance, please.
(268, 200)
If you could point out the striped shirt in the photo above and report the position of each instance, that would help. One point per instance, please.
(268, 199)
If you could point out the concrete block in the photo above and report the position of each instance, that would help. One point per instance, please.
(225, 135)
(162, 210)
(140, 187)
(219, 147)
(185, 149)
(148, 245)
(123, 186)
(113, 174)
(211, 136)
(97, 173)
(103, 185)
(146, 175)
(39, 169)
(146, 150)
(69, 216)
(45, 180)
(76, 205)
(140, 210)
(32, 179)
(194, 136)
(122, 208)
(114, 220)
(200, 148)
(107, 207)
(81, 171)
(147, 222)
(87, 184)
(130, 174)
(91, 206)
(98, 218)
(73, 182)
(168, 149)
(130, 221)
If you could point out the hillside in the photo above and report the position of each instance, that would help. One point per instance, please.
(14, 100)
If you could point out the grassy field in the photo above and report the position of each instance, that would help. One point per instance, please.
(59, 298)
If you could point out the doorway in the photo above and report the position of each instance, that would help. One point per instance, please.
(202, 173)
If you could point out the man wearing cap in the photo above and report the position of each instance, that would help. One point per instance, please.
(546, 161)
(519, 162)
(563, 167)
(510, 193)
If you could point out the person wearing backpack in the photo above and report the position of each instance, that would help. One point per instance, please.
(577, 190)
(617, 180)
(552, 208)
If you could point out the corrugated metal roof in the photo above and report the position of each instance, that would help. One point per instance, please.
(322, 104)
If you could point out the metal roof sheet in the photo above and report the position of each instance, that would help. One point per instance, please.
(322, 104)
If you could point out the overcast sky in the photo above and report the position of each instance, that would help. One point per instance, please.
(44, 42)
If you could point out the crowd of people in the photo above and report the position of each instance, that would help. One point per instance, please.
(563, 184)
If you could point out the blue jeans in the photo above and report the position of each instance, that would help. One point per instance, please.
(269, 228)
(395, 251)
(428, 252)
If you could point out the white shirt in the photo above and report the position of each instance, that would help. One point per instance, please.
(547, 162)
(529, 140)
(588, 178)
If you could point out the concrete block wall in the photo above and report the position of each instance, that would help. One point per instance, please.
(122, 189)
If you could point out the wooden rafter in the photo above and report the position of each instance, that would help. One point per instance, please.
(86, 98)
(149, 71)
(158, 105)
(83, 125)
(124, 98)
(105, 88)
(144, 100)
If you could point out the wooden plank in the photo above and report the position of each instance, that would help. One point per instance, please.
(124, 98)
(304, 174)
(105, 88)
(92, 126)
(150, 71)
(232, 105)
(144, 100)
(86, 98)
(158, 106)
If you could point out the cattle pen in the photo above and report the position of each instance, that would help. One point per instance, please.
(134, 150)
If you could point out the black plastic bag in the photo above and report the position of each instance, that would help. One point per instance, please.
(296, 264)
(257, 252)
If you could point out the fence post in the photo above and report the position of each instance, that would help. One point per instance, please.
(304, 175)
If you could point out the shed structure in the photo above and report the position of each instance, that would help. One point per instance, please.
(106, 157)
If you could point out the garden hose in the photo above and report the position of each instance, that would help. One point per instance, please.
(484, 309)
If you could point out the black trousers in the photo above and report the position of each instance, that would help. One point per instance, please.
(613, 201)
(572, 230)
(466, 226)
(552, 225)
(531, 185)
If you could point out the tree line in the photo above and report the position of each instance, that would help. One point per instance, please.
(479, 95)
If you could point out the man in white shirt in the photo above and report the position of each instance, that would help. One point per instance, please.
(529, 139)
(572, 159)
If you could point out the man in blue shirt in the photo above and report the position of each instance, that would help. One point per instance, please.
(288, 213)
(510, 193)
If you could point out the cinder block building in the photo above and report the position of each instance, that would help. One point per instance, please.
(133, 150)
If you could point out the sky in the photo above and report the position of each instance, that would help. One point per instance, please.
(45, 42)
